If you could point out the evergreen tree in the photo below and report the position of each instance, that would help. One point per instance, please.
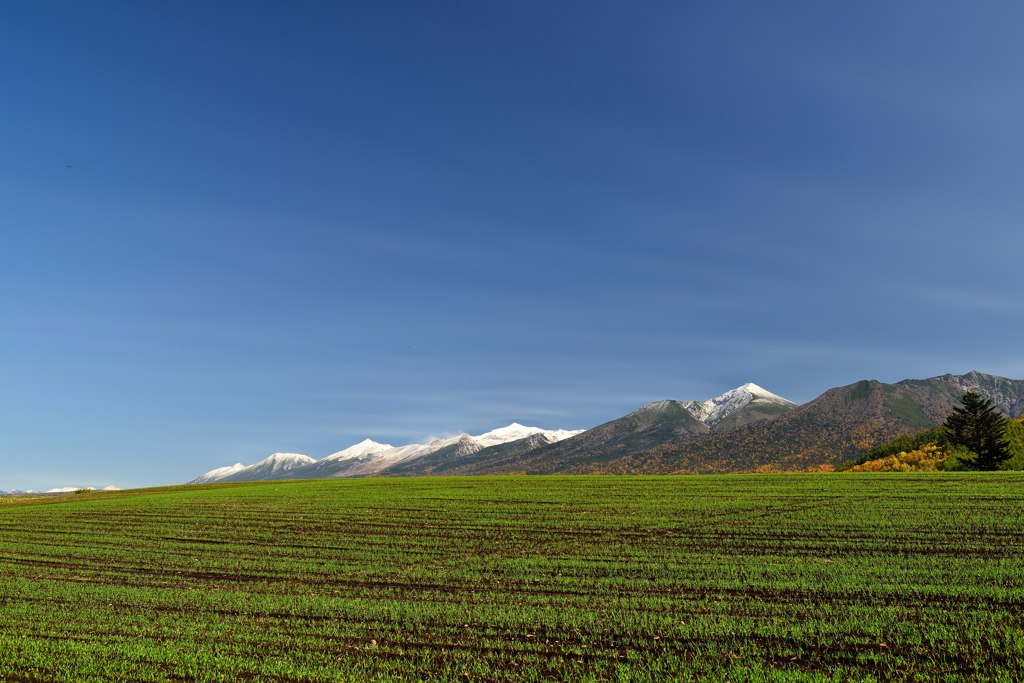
(980, 428)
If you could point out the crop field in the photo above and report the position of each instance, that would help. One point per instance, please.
(773, 577)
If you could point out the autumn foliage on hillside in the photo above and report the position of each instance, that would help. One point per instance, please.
(928, 458)
(925, 452)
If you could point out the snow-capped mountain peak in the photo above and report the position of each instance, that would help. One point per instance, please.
(516, 431)
(368, 457)
(714, 410)
(512, 432)
(283, 461)
(761, 392)
(364, 447)
(284, 457)
(218, 473)
(73, 489)
(395, 454)
(270, 467)
(562, 434)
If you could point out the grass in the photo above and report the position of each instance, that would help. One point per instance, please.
(774, 577)
(907, 410)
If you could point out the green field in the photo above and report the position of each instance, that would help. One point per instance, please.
(735, 577)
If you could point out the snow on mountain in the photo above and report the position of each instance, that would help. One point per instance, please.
(72, 489)
(368, 457)
(218, 473)
(364, 447)
(513, 432)
(516, 431)
(440, 452)
(278, 462)
(466, 445)
(714, 410)
(458, 446)
(375, 462)
(561, 434)
(273, 466)
(662, 406)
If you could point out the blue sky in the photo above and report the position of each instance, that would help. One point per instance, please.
(237, 228)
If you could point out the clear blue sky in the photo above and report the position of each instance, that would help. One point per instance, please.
(235, 228)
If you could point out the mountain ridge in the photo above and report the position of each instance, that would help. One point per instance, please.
(369, 458)
(647, 426)
(829, 431)
(742, 430)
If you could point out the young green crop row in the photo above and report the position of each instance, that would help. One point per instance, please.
(778, 577)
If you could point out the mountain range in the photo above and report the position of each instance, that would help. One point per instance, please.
(57, 490)
(369, 458)
(743, 430)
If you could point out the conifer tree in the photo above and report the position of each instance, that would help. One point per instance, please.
(980, 428)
